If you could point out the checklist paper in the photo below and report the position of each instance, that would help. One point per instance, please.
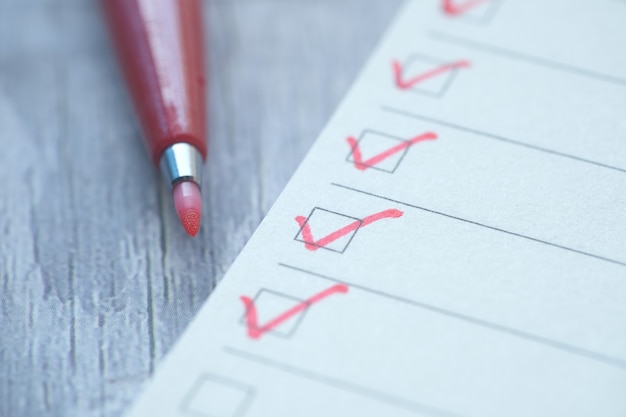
(454, 244)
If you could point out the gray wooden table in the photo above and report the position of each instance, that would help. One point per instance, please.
(97, 278)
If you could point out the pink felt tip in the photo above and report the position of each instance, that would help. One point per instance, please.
(188, 205)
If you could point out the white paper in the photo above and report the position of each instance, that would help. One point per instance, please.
(481, 273)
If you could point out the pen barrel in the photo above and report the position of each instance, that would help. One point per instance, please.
(160, 47)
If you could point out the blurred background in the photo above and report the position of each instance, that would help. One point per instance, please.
(96, 286)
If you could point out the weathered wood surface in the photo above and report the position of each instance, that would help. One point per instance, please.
(97, 279)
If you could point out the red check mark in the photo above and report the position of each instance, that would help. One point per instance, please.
(405, 84)
(255, 331)
(314, 245)
(362, 165)
(453, 8)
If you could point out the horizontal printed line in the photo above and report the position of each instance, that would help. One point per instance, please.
(341, 384)
(520, 56)
(599, 357)
(486, 226)
(412, 115)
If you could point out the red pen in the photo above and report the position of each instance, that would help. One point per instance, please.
(160, 49)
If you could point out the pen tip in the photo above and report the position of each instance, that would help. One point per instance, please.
(188, 203)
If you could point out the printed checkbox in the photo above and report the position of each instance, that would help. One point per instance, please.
(372, 145)
(288, 318)
(337, 230)
(216, 396)
(435, 75)
(480, 12)
(268, 305)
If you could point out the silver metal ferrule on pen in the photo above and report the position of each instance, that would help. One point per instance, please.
(181, 162)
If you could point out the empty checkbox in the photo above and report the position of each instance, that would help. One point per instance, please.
(216, 396)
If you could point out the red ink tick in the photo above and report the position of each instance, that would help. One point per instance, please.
(313, 245)
(405, 84)
(362, 165)
(255, 331)
(452, 8)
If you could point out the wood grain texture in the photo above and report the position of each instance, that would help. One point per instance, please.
(97, 278)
